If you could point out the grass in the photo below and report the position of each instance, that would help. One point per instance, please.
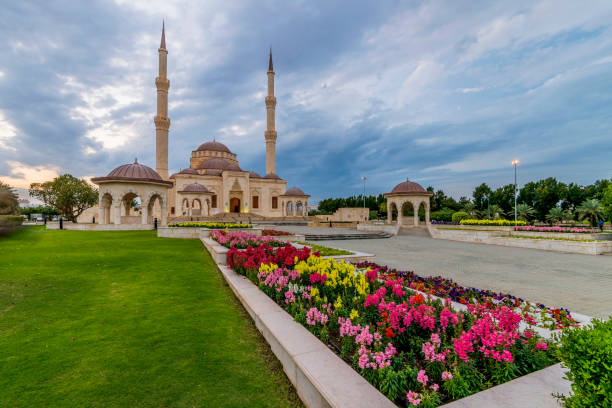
(126, 319)
(325, 251)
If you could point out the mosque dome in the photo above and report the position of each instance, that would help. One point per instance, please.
(294, 191)
(188, 170)
(214, 146)
(253, 174)
(133, 172)
(219, 164)
(409, 187)
(195, 188)
(271, 176)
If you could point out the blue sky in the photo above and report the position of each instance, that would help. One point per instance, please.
(443, 93)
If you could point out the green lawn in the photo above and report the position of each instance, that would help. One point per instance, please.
(126, 319)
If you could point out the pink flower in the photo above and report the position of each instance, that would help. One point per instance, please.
(412, 398)
(446, 375)
(542, 346)
(422, 377)
(289, 297)
(435, 387)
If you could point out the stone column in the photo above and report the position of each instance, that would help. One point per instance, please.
(164, 214)
(144, 218)
(416, 212)
(117, 213)
(427, 213)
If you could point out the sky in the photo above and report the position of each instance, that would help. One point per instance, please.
(445, 93)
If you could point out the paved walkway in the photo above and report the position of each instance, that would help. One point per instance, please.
(581, 283)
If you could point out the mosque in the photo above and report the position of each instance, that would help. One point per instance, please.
(214, 184)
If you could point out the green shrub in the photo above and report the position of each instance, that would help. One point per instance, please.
(587, 352)
(459, 215)
(10, 220)
(442, 215)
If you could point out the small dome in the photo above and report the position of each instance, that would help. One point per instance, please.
(253, 174)
(188, 170)
(271, 176)
(214, 146)
(408, 187)
(294, 191)
(218, 164)
(213, 172)
(195, 188)
(134, 171)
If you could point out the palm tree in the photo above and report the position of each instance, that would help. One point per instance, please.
(470, 208)
(568, 215)
(525, 212)
(592, 209)
(554, 215)
(496, 212)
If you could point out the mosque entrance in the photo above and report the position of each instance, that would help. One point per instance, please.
(235, 205)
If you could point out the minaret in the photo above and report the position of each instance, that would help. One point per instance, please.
(270, 133)
(162, 122)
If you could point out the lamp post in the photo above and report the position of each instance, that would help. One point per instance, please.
(515, 163)
(364, 180)
(489, 206)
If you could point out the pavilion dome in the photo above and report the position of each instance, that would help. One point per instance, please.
(294, 191)
(214, 146)
(219, 164)
(408, 187)
(133, 172)
(195, 188)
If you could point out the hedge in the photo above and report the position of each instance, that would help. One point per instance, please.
(460, 216)
(443, 215)
(587, 352)
(10, 220)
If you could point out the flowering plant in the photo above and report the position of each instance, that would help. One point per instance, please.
(554, 229)
(242, 239)
(210, 225)
(415, 349)
(278, 233)
(499, 223)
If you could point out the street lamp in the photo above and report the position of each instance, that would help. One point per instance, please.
(364, 180)
(515, 163)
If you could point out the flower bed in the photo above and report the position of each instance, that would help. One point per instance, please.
(209, 225)
(555, 229)
(277, 233)
(499, 223)
(325, 251)
(415, 350)
(243, 240)
(535, 314)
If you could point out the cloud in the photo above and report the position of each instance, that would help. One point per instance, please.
(435, 91)
(21, 175)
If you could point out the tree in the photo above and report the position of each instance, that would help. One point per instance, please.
(568, 215)
(481, 195)
(574, 196)
(525, 212)
(471, 210)
(9, 201)
(591, 209)
(504, 197)
(496, 212)
(554, 215)
(68, 194)
(45, 210)
(606, 202)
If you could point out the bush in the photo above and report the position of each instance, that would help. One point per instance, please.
(459, 216)
(10, 221)
(497, 223)
(587, 352)
(443, 215)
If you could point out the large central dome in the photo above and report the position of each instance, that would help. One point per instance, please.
(213, 146)
(218, 164)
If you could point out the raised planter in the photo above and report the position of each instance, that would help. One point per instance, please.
(392, 229)
(195, 232)
(567, 235)
(54, 225)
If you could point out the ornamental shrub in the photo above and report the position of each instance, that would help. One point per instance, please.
(497, 223)
(587, 352)
(10, 221)
(459, 216)
(442, 215)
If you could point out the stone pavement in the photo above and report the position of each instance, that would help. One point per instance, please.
(580, 283)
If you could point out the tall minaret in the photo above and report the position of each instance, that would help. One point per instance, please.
(270, 133)
(162, 122)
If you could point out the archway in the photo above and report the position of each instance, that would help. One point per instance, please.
(235, 205)
(130, 208)
(393, 211)
(408, 213)
(104, 214)
(290, 208)
(185, 206)
(148, 216)
(299, 208)
(422, 212)
(196, 207)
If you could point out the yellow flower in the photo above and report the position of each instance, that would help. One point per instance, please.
(314, 292)
(354, 314)
(338, 303)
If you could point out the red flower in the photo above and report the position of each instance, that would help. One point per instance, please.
(389, 333)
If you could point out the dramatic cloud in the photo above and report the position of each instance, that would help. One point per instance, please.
(438, 92)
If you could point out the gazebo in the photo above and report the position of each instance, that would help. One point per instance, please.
(194, 200)
(294, 202)
(403, 196)
(119, 189)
